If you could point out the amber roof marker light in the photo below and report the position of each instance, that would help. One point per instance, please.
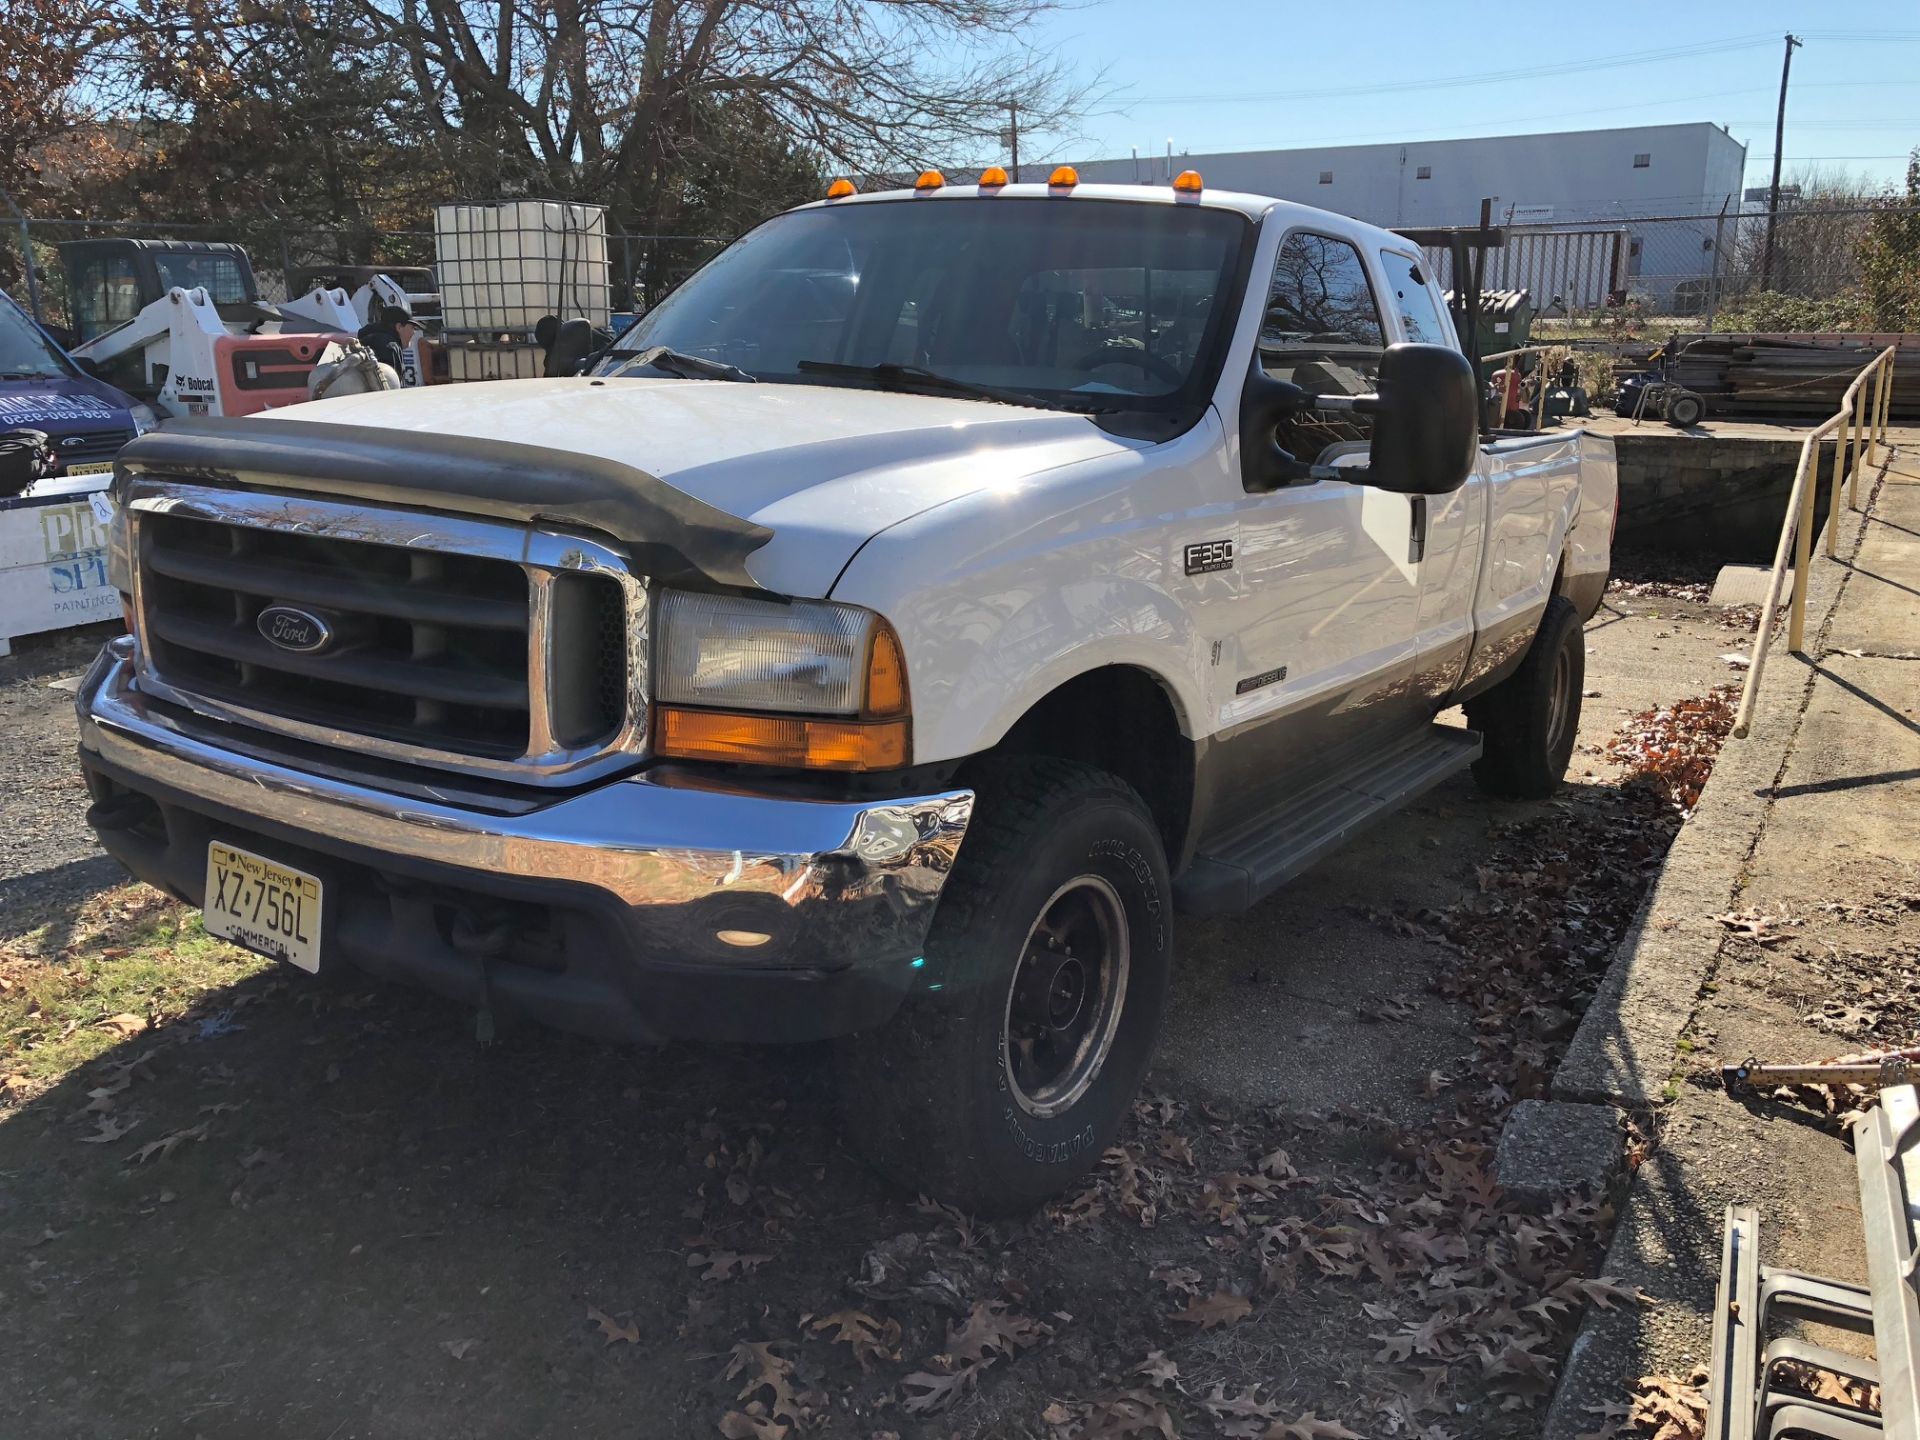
(1188, 182)
(930, 180)
(840, 189)
(992, 177)
(1065, 177)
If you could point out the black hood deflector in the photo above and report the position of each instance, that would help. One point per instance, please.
(668, 533)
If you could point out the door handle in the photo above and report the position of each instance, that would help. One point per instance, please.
(1417, 539)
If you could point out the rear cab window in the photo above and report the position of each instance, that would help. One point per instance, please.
(1410, 294)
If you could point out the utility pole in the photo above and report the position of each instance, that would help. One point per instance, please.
(26, 259)
(1779, 144)
(1013, 135)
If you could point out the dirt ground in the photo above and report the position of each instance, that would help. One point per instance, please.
(257, 1206)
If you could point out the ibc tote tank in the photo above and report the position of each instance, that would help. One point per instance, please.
(503, 266)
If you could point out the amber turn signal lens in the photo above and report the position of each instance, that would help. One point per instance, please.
(1065, 177)
(1188, 182)
(794, 742)
(992, 175)
(886, 673)
(930, 180)
(840, 189)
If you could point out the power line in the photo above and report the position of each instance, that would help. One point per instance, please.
(1569, 67)
(1480, 78)
(1347, 138)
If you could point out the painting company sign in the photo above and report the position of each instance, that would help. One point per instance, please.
(61, 410)
(53, 565)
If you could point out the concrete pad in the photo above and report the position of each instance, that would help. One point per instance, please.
(1549, 1148)
(1850, 792)
(1746, 585)
(1834, 764)
(1623, 1052)
(1887, 570)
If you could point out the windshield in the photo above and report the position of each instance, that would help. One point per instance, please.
(1076, 304)
(26, 354)
(219, 275)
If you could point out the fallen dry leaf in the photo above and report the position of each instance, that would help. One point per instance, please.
(108, 1129)
(1159, 1370)
(1667, 1407)
(725, 1264)
(124, 1024)
(927, 1392)
(165, 1146)
(458, 1349)
(1181, 1278)
(991, 1329)
(1219, 1308)
(765, 1369)
(613, 1329)
(1311, 1427)
(1130, 1412)
(868, 1338)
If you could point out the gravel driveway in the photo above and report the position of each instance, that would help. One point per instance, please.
(336, 1217)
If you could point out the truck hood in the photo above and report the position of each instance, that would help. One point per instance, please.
(63, 405)
(824, 468)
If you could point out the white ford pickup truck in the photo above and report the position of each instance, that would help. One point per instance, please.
(923, 603)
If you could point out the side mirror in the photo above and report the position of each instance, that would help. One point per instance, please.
(1425, 425)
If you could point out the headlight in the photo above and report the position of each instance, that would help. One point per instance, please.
(144, 418)
(805, 683)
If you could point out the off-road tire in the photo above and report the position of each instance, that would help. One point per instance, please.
(931, 1100)
(1529, 720)
(1685, 410)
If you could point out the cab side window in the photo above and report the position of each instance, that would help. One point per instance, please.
(1322, 331)
(1408, 292)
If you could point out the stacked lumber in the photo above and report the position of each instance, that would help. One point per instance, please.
(1789, 377)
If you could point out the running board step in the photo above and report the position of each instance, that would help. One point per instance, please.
(1238, 867)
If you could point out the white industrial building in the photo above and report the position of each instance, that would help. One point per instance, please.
(1585, 188)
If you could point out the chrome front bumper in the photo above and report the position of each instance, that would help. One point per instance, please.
(693, 882)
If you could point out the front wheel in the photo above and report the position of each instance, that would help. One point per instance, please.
(1684, 409)
(1529, 720)
(1010, 1069)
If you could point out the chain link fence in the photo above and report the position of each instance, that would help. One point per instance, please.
(1691, 266)
(642, 267)
(1687, 266)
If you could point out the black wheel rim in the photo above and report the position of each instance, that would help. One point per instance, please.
(1560, 701)
(1063, 1007)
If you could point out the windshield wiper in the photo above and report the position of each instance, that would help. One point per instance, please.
(917, 377)
(680, 364)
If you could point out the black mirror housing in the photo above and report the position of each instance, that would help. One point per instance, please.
(1426, 426)
(1266, 465)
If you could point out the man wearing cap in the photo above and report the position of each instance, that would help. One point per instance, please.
(390, 336)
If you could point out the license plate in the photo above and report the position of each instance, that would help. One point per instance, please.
(102, 467)
(264, 906)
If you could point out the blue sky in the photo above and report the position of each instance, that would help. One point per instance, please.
(1236, 74)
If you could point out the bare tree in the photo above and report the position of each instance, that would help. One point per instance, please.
(1816, 238)
(607, 98)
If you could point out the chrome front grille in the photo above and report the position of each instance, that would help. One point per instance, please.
(469, 645)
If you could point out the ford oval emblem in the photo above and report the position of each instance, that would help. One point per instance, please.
(295, 629)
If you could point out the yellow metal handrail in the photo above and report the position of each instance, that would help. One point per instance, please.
(1855, 417)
